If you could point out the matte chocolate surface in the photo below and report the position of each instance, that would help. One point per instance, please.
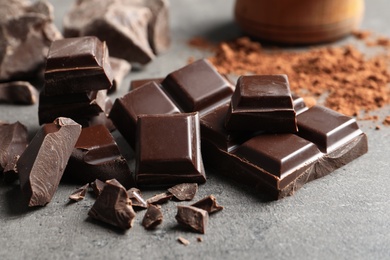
(42, 164)
(168, 150)
(113, 207)
(153, 217)
(184, 191)
(97, 156)
(79, 194)
(262, 103)
(140, 82)
(208, 204)
(193, 218)
(77, 65)
(18, 92)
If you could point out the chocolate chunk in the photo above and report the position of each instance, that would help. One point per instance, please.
(149, 99)
(13, 142)
(183, 241)
(193, 218)
(79, 194)
(136, 198)
(120, 68)
(262, 103)
(113, 206)
(153, 217)
(208, 204)
(184, 191)
(26, 31)
(96, 156)
(18, 92)
(76, 65)
(168, 150)
(97, 187)
(197, 86)
(159, 198)
(102, 118)
(134, 84)
(43, 162)
(121, 24)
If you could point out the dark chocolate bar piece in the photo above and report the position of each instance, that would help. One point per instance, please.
(77, 65)
(262, 103)
(134, 84)
(42, 164)
(197, 87)
(18, 92)
(79, 194)
(120, 68)
(150, 99)
(153, 217)
(193, 218)
(184, 191)
(97, 156)
(208, 204)
(113, 206)
(168, 150)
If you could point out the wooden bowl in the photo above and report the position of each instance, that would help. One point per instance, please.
(299, 21)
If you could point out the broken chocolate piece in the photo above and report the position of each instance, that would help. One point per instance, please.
(262, 103)
(193, 218)
(43, 162)
(113, 207)
(136, 198)
(18, 92)
(76, 65)
(120, 68)
(102, 118)
(96, 156)
(209, 204)
(79, 194)
(97, 187)
(160, 198)
(183, 241)
(153, 217)
(168, 150)
(184, 191)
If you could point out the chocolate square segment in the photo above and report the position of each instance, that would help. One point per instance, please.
(262, 103)
(150, 99)
(197, 86)
(168, 150)
(77, 65)
(327, 128)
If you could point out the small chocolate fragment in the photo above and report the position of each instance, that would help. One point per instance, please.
(96, 156)
(42, 164)
(153, 217)
(160, 198)
(209, 204)
(262, 103)
(134, 84)
(113, 206)
(97, 187)
(136, 198)
(76, 65)
(199, 239)
(168, 150)
(120, 68)
(194, 218)
(183, 241)
(79, 194)
(184, 191)
(18, 92)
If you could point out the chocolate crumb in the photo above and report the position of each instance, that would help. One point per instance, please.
(386, 121)
(199, 239)
(184, 191)
(183, 241)
(79, 194)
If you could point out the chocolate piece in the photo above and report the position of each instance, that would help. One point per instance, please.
(102, 118)
(136, 198)
(184, 191)
(113, 207)
(43, 162)
(79, 194)
(149, 99)
(199, 239)
(193, 218)
(160, 198)
(168, 150)
(97, 156)
(13, 142)
(120, 68)
(121, 24)
(208, 204)
(26, 31)
(183, 241)
(19, 92)
(197, 86)
(262, 103)
(153, 217)
(299, 104)
(134, 84)
(77, 65)
(97, 187)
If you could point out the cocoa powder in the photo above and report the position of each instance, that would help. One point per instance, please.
(344, 77)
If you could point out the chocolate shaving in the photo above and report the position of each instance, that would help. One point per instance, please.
(183, 241)
(160, 198)
(184, 191)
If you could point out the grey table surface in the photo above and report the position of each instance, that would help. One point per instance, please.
(345, 215)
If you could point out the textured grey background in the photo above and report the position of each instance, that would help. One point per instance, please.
(345, 215)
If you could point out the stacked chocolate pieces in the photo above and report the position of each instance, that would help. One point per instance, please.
(261, 135)
(77, 77)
